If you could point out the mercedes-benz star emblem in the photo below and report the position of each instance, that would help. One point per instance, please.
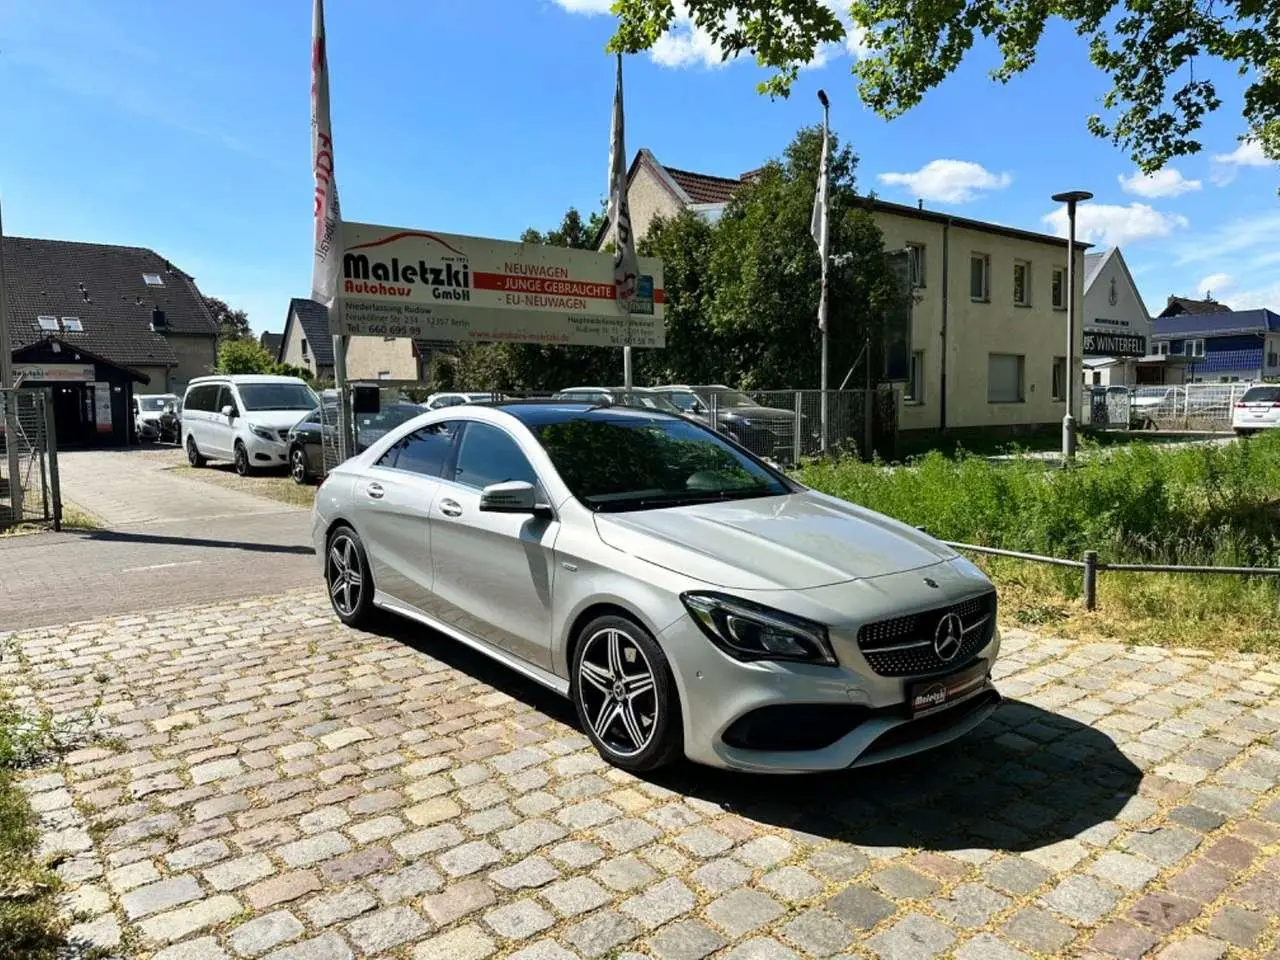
(930, 582)
(947, 637)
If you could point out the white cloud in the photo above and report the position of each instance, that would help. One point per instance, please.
(1247, 154)
(1250, 241)
(589, 7)
(1113, 225)
(948, 181)
(1214, 282)
(1168, 182)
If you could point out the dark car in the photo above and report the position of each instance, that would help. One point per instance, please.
(318, 430)
(765, 431)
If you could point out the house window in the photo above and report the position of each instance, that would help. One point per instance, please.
(1022, 283)
(1005, 377)
(1097, 378)
(304, 348)
(384, 374)
(979, 277)
(1194, 348)
(915, 260)
(153, 280)
(1162, 348)
(1060, 378)
(1059, 288)
(913, 392)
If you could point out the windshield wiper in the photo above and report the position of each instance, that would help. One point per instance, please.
(684, 500)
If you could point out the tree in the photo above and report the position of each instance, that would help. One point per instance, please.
(243, 355)
(1149, 52)
(232, 324)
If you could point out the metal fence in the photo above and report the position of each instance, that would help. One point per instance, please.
(29, 490)
(1192, 406)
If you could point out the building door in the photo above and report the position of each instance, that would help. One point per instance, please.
(73, 427)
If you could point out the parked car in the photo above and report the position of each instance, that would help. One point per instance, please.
(244, 418)
(309, 436)
(765, 431)
(438, 400)
(642, 397)
(149, 410)
(688, 598)
(1258, 409)
(1151, 403)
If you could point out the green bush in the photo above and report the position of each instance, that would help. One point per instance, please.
(1203, 504)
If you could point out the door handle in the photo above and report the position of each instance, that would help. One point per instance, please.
(375, 490)
(451, 508)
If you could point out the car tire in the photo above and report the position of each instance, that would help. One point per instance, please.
(623, 691)
(346, 573)
(193, 454)
(241, 459)
(298, 466)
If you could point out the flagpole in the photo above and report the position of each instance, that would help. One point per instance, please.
(625, 265)
(824, 253)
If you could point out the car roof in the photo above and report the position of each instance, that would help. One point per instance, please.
(536, 413)
(244, 378)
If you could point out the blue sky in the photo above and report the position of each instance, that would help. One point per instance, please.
(185, 128)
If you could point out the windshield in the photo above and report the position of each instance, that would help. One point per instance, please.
(1144, 392)
(389, 416)
(1261, 395)
(277, 396)
(731, 398)
(645, 401)
(155, 403)
(624, 462)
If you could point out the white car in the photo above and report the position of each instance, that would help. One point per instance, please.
(450, 399)
(1258, 409)
(244, 418)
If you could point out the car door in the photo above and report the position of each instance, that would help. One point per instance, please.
(220, 428)
(195, 418)
(307, 434)
(394, 499)
(493, 571)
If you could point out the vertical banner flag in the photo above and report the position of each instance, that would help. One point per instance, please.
(328, 218)
(626, 268)
(818, 222)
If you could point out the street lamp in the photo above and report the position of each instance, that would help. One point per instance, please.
(1070, 198)
(822, 202)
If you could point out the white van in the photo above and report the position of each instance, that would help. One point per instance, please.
(244, 418)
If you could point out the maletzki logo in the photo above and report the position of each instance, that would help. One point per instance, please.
(448, 278)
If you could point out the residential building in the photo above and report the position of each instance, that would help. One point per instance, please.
(1235, 346)
(1178, 306)
(991, 300)
(271, 343)
(98, 322)
(1117, 327)
(308, 342)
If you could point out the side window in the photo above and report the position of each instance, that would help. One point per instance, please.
(489, 455)
(683, 400)
(202, 398)
(424, 451)
(226, 399)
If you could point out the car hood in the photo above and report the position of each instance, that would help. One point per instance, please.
(793, 542)
(274, 419)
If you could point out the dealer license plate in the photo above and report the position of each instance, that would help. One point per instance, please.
(926, 696)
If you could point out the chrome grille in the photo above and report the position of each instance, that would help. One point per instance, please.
(903, 646)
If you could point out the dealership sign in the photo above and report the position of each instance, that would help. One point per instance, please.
(442, 286)
(54, 372)
(1101, 343)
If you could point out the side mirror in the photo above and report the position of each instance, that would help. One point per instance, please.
(229, 411)
(514, 496)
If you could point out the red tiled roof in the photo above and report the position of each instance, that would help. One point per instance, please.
(703, 188)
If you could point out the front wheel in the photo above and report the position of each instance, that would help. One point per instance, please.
(241, 459)
(193, 454)
(298, 466)
(346, 572)
(626, 701)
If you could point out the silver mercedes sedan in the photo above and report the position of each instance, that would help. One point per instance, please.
(686, 596)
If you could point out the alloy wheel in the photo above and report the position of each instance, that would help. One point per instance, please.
(193, 455)
(242, 460)
(298, 466)
(618, 692)
(344, 575)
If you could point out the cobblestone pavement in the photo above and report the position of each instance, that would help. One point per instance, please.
(276, 786)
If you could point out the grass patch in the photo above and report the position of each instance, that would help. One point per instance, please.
(72, 519)
(277, 485)
(1137, 503)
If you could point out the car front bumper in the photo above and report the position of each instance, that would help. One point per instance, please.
(266, 453)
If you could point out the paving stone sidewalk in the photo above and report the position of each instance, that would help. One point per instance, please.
(273, 785)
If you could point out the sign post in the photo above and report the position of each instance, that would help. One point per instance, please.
(11, 425)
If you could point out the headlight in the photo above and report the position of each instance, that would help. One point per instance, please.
(262, 432)
(751, 631)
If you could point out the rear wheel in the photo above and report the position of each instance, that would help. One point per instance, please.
(346, 572)
(626, 701)
(193, 454)
(241, 459)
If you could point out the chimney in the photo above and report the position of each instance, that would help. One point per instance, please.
(920, 203)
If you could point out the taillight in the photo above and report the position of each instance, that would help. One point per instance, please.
(1276, 405)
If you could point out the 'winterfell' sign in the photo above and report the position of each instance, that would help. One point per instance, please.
(1098, 343)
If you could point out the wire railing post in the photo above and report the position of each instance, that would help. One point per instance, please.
(797, 430)
(1090, 579)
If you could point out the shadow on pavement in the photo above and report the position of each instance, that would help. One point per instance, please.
(121, 536)
(1025, 779)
